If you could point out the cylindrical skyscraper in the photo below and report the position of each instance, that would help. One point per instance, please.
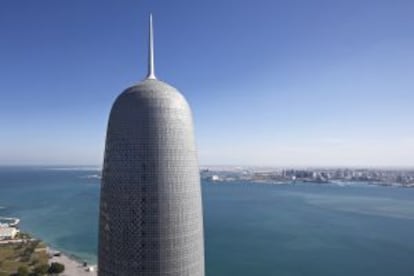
(151, 220)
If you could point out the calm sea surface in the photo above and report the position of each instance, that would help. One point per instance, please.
(250, 229)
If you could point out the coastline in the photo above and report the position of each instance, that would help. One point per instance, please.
(29, 252)
(73, 265)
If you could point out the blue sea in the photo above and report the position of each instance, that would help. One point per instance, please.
(250, 229)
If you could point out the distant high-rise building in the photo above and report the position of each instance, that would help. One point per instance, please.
(151, 220)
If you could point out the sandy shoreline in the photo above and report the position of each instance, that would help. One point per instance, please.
(73, 267)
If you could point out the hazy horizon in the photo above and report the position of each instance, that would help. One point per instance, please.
(213, 166)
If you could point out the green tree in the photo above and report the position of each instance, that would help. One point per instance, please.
(41, 269)
(22, 271)
(56, 268)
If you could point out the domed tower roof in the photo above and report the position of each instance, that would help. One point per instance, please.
(151, 87)
(150, 93)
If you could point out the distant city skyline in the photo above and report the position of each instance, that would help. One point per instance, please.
(271, 83)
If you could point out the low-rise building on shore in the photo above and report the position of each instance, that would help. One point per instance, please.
(8, 233)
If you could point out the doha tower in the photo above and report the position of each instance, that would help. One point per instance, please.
(151, 220)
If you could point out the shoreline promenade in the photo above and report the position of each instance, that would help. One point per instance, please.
(72, 267)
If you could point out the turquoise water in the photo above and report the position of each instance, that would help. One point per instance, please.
(250, 229)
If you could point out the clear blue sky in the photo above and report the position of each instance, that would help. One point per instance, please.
(283, 83)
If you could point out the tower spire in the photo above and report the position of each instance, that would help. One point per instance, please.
(151, 68)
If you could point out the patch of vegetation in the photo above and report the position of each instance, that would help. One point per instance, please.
(23, 236)
(19, 258)
(42, 269)
(56, 268)
(22, 271)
